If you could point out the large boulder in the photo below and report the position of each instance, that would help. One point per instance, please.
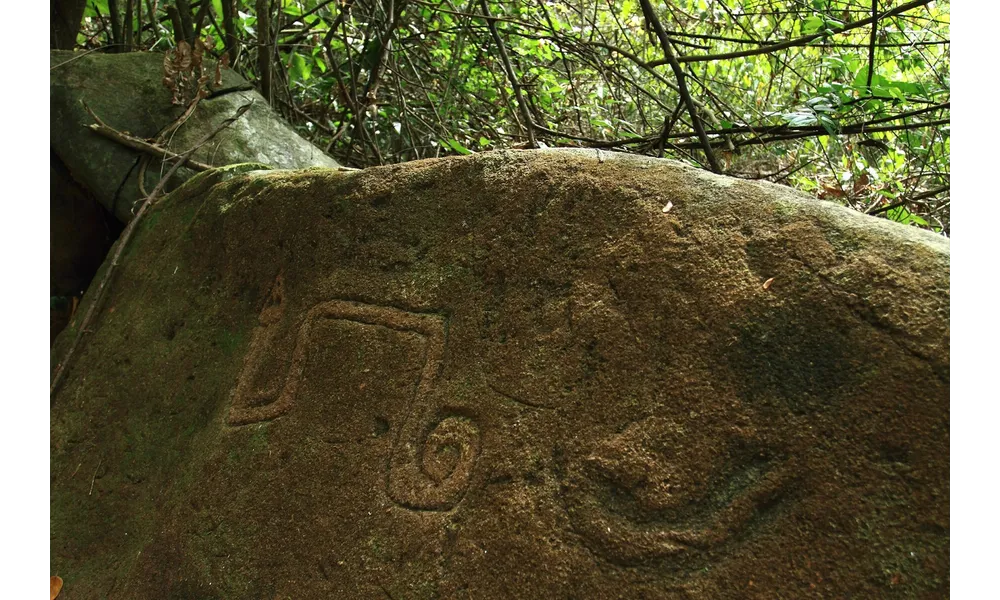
(510, 375)
(126, 92)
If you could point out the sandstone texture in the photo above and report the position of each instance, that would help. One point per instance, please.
(509, 375)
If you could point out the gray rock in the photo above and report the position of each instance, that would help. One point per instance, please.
(127, 93)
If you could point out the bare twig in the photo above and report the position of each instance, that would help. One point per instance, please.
(800, 41)
(175, 22)
(77, 56)
(116, 24)
(706, 145)
(871, 46)
(529, 125)
(370, 93)
(199, 19)
(129, 29)
(161, 138)
(139, 144)
(184, 12)
(917, 198)
(264, 48)
(229, 25)
(138, 24)
(307, 27)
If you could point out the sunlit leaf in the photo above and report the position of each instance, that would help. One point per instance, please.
(457, 147)
(301, 68)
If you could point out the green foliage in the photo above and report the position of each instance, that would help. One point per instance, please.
(379, 82)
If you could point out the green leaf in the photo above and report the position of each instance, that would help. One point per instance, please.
(301, 69)
(483, 141)
(901, 215)
(860, 78)
(95, 6)
(800, 119)
(811, 25)
(458, 147)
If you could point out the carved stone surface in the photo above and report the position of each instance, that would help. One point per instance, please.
(510, 376)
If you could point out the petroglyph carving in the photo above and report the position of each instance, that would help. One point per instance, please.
(435, 451)
(252, 403)
(432, 471)
(635, 502)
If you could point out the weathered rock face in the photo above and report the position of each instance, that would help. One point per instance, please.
(511, 375)
(126, 91)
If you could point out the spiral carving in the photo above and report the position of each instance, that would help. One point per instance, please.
(433, 471)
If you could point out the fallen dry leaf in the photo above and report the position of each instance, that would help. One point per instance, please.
(768, 283)
(861, 184)
(831, 191)
(55, 586)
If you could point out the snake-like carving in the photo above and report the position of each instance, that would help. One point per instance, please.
(636, 496)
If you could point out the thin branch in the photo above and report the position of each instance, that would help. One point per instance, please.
(654, 22)
(370, 92)
(116, 24)
(139, 144)
(129, 30)
(779, 132)
(529, 124)
(229, 26)
(863, 128)
(307, 27)
(915, 199)
(871, 46)
(77, 56)
(264, 48)
(474, 15)
(800, 41)
(184, 12)
(123, 242)
(176, 24)
(199, 19)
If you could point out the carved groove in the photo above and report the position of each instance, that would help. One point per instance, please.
(630, 520)
(432, 471)
(250, 404)
(435, 452)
